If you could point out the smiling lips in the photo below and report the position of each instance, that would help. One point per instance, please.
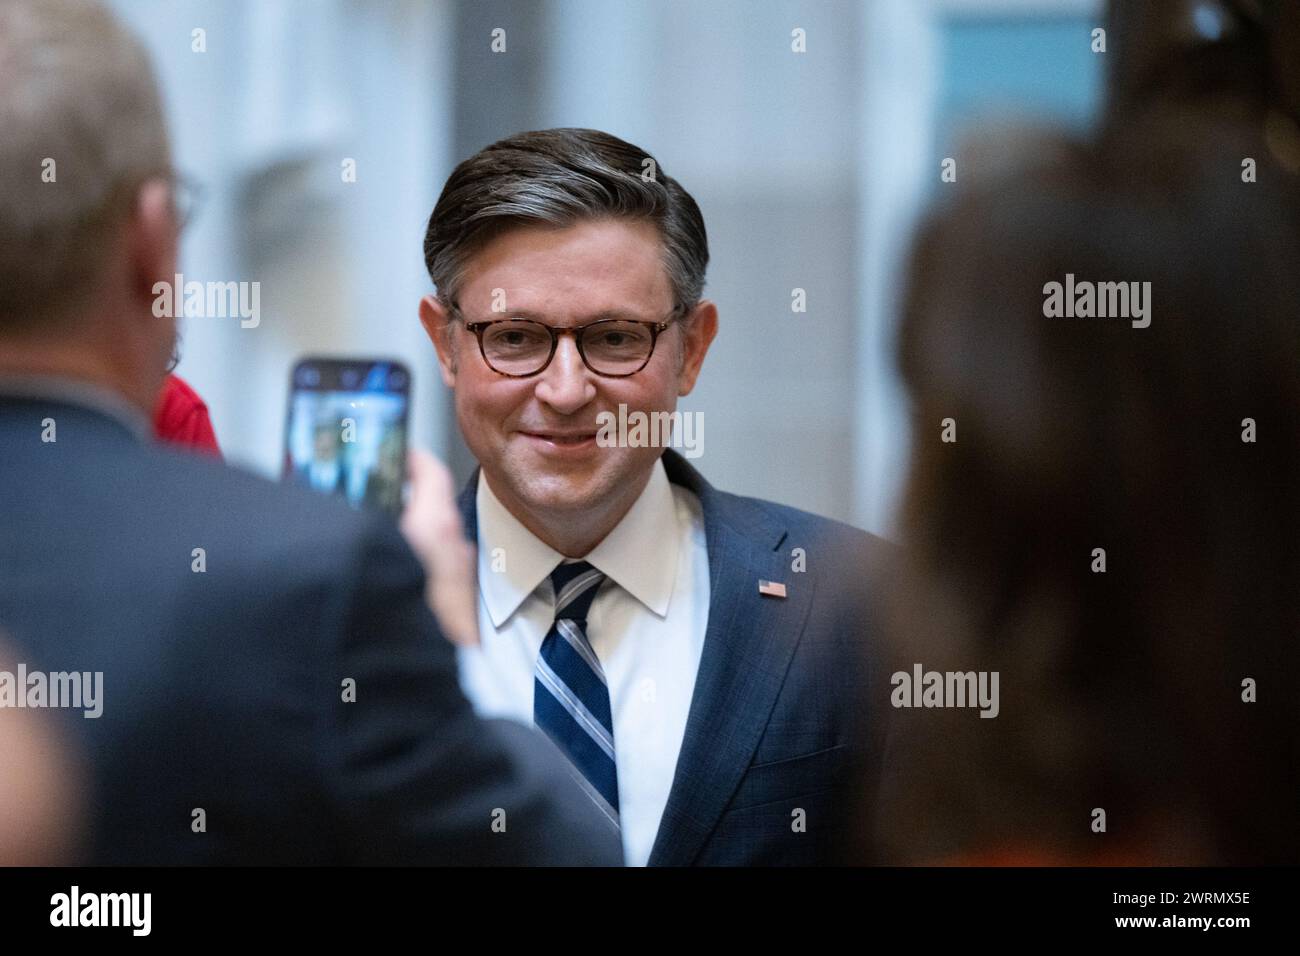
(559, 439)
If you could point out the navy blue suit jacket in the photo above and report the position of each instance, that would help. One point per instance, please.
(780, 756)
(223, 689)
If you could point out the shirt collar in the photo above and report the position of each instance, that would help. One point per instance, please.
(640, 554)
(71, 391)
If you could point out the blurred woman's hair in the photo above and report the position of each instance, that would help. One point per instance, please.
(1120, 690)
(1239, 57)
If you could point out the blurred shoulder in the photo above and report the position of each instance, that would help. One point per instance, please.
(808, 530)
(781, 527)
(251, 512)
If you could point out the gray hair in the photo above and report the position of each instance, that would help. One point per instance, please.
(81, 128)
(560, 177)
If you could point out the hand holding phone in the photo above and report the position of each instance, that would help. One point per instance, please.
(432, 526)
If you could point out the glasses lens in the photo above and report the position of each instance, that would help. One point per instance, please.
(186, 195)
(516, 347)
(616, 347)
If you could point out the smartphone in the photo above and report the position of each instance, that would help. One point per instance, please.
(346, 428)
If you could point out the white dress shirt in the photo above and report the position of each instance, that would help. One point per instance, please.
(646, 626)
(324, 475)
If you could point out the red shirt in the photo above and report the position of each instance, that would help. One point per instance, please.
(182, 418)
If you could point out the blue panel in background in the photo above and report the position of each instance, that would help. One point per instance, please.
(1039, 69)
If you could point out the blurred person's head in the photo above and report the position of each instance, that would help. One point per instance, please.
(565, 227)
(41, 812)
(87, 218)
(1120, 690)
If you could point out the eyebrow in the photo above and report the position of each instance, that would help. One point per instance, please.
(600, 316)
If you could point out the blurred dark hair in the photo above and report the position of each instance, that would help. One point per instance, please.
(1236, 58)
(559, 177)
(1120, 690)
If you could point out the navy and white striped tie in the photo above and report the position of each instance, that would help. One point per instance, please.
(570, 697)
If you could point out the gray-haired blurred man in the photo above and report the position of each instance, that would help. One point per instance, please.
(290, 701)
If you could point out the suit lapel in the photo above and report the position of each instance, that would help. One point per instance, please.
(748, 645)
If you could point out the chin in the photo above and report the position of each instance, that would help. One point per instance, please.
(573, 492)
(559, 487)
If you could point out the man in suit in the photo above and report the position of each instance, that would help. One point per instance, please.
(324, 471)
(703, 659)
(268, 683)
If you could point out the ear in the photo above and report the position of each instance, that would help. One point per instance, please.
(152, 238)
(699, 328)
(437, 325)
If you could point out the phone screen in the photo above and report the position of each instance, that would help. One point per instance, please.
(346, 430)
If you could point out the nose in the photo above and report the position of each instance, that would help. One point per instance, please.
(566, 384)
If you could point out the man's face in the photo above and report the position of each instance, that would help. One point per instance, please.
(326, 443)
(535, 437)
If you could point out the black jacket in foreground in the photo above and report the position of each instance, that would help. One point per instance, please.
(223, 689)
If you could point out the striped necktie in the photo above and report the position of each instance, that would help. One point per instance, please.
(570, 697)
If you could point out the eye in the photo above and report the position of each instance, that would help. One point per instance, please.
(516, 337)
(620, 338)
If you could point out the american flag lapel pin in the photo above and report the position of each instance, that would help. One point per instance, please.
(771, 588)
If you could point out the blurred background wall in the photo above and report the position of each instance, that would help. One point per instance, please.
(810, 169)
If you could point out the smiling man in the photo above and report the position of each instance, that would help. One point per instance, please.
(702, 659)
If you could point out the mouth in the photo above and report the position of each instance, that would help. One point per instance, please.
(566, 441)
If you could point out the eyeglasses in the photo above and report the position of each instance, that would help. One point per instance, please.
(519, 348)
(187, 196)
